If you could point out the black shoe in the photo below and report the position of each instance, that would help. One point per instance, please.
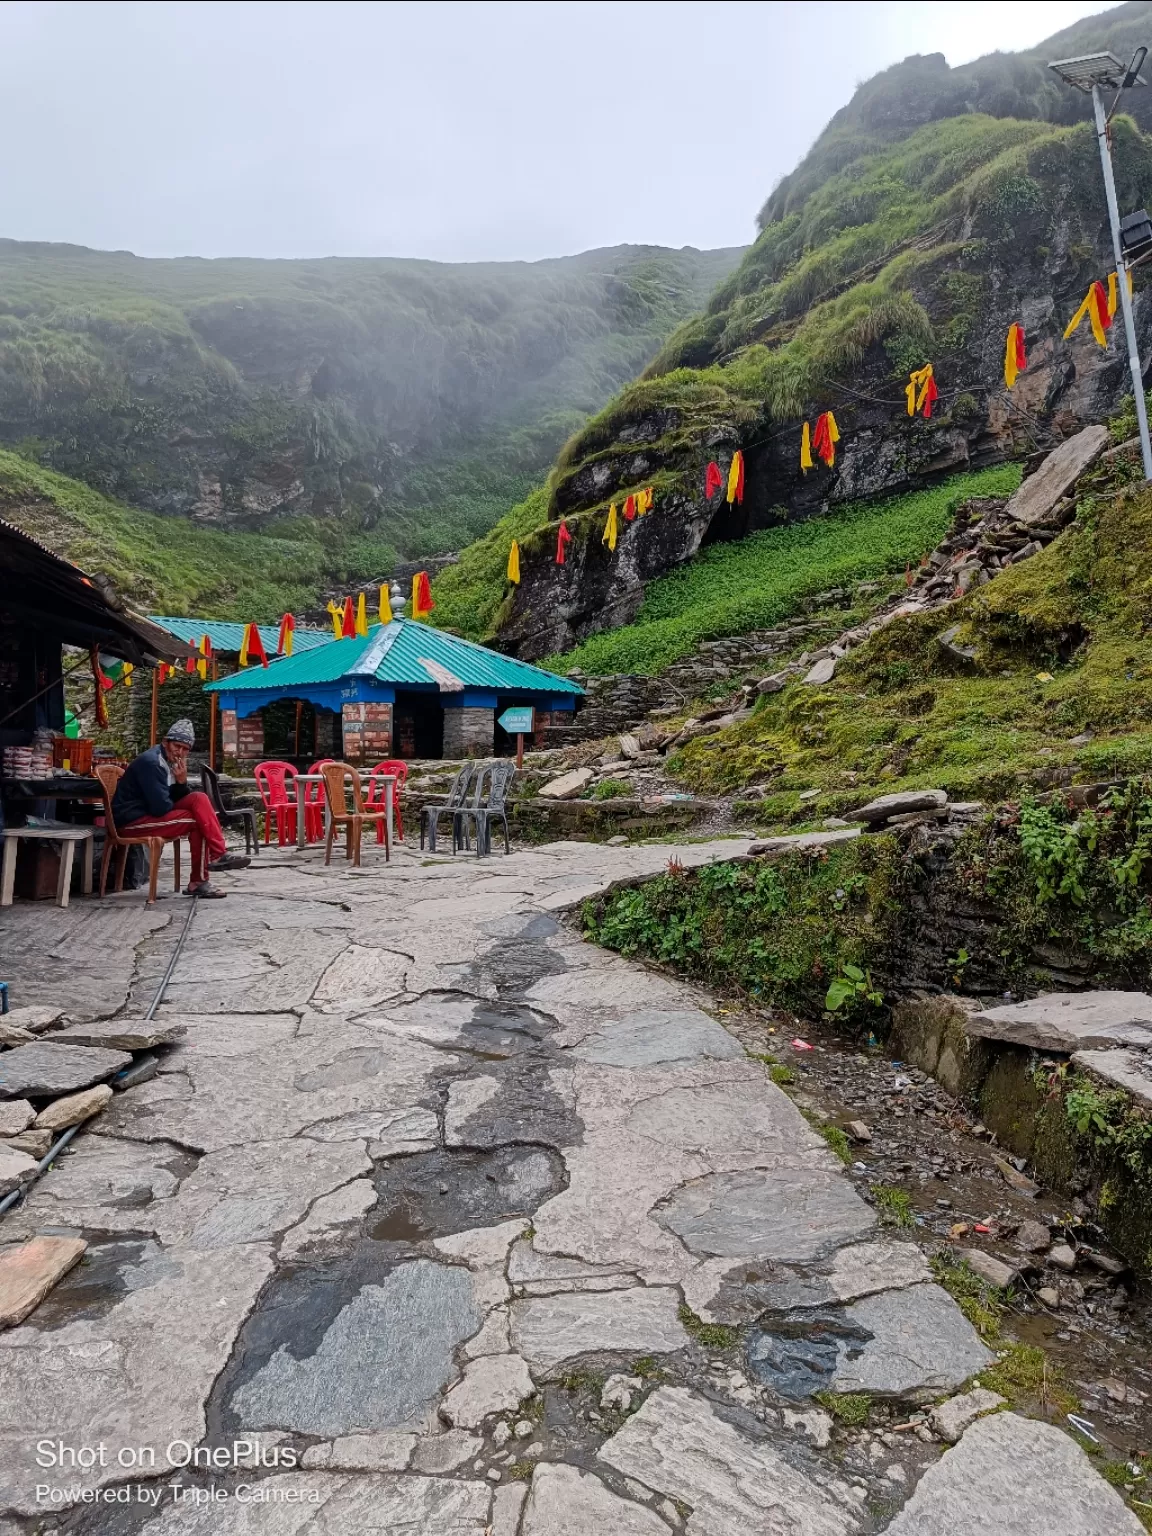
(231, 861)
(206, 891)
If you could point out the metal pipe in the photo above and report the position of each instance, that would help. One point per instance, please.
(1122, 280)
(46, 1162)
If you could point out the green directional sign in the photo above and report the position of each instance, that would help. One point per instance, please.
(517, 721)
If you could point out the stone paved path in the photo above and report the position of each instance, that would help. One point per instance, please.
(423, 1172)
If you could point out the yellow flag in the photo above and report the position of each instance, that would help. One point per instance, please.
(362, 615)
(244, 647)
(202, 664)
(385, 604)
(611, 528)
(337, 618)
(806, 449)
(126, 674)
(514, 563)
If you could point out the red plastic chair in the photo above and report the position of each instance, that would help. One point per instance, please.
(277, 785)
(378, 793)
(314, 805)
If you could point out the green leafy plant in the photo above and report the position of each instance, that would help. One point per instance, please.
(609, 789)
(894, 1205)
(852, 986)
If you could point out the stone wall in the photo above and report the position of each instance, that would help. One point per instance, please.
(469, 731)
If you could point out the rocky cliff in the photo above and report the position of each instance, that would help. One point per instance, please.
(938, 209)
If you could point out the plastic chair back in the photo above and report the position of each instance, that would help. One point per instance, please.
(210, 780)
(376, 794)
(314, 793)
(108, 775)
(272, 780)
(337, 777)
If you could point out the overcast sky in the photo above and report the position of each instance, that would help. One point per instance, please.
(459, 132)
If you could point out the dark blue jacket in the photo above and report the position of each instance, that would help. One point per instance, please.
(146, 788)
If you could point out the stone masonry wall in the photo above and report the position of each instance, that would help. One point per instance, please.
(469, 731)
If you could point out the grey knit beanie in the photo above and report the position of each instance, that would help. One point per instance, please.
(181, 731)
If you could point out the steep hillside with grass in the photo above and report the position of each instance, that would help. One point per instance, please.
(1058, 691)
(174, 566)
(411, 398)
(937, 209)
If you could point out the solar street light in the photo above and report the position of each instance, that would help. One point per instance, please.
(1093, 73)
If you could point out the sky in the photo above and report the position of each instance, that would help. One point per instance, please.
(454, 132)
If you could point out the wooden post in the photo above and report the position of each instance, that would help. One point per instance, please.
(520, 753)
(212, 722)
(299, 712)
(155, 705)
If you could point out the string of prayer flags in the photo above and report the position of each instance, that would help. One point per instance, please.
(252, 647)
(630, 508)
(1015, 358)
(284, 638)
(1095, 306)
(806, 449)
(421, 595)
(736, 478)
(362, 614)
(164, 671)
(563, 539)
(205, 649)
(825, 438)
(348, 621)
(713, 480)
(611, 529)
(921, 391)
(514, 563)
(385, 608)
(335, 613)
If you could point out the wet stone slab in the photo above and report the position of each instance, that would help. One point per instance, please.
(375, 1367)
(782, 1215)
(921, 1344)
(547, 1330)
(436, 1194)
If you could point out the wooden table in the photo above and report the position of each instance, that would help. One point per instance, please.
(67, 837)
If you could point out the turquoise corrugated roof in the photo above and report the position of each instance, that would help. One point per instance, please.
(226, 636)
(403, 653)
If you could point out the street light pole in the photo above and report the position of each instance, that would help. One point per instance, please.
(1122, 280)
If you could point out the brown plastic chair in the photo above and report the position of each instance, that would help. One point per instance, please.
(336, 778)
(109, 775)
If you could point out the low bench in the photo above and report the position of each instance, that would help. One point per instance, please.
(67, 837)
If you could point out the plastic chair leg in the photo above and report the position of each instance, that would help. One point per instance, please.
(155, 848)
(176, 861)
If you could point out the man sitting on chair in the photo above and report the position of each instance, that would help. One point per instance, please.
(153, 797)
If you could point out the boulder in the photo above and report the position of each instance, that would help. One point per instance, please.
(568, 785)
(902, 803)
(773, 684)
(952, 1418)
(74, 1109)
(28, 1273)
(823, 672)
(989, 1268)
(629, 746)
(15, 1116)
(1039, 494)
(35, 1143)
(33, 1016)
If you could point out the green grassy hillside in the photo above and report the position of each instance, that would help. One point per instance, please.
(1059, 691)
(409, 397)
(171, 565)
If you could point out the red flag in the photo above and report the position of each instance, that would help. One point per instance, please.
(1100, 299)
(348, 627)
(713, 480)
(563, 538)
(421, 595)
(284, 639)
(930, 393)
(252, 648)
(103, 683)
(630, 508)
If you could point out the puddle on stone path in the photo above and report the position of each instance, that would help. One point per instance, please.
(797, 1354)
(435, 1194)
(104, 1276)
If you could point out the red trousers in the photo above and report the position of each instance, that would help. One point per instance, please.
(194, 818)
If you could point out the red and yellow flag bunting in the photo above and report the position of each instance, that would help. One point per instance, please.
(921, 392)
(1015, 357)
